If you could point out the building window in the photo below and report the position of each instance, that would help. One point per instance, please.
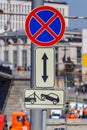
(62, 11)
(20, 8)
(29, 9)
(78, 55)
(24, 58)
(6, 7)
(6, 56)
(15, 58)
(1, 5)
(23, 8)
(14, 8)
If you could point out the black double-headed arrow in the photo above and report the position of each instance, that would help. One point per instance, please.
(44, 58)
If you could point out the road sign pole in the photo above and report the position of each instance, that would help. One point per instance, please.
(48, 22)
(44, 119)
(35, 114)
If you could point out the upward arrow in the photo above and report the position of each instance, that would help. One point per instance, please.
(44, 58)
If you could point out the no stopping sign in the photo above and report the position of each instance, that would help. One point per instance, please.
(45, 26)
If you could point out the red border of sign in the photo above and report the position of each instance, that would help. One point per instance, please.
(28, 29)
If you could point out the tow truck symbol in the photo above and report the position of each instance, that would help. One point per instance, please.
(51, 97)
(31, 98)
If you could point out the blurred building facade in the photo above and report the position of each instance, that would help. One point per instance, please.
(84, 55)
(13, 25)
(19, 50)
(17, 22)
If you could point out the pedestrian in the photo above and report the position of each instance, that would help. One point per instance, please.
(85, 112)
(81, 112)
(25, 68)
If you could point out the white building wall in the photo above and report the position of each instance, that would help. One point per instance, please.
(10, 54)
(28, 56)
(19, 56)
(18, 23)
(71, 51)
(1, 50)
(84, 55)
(19, 48)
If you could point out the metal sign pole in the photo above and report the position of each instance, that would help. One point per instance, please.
(35, 114)
(37, 27)
(65, 84)
(44, 114)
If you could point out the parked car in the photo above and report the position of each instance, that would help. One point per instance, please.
(55, 113)
(55, 116)
(51, 97)
(62, 116)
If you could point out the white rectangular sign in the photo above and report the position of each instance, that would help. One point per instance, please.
(44, 99)
(44, 67)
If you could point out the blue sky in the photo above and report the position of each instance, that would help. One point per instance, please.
(77, 8)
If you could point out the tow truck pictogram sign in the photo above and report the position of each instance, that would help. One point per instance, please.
(45, 26)
(44, 98)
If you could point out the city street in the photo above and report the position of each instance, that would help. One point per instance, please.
(43, 64)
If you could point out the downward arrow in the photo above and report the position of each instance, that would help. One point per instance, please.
(44, 58)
